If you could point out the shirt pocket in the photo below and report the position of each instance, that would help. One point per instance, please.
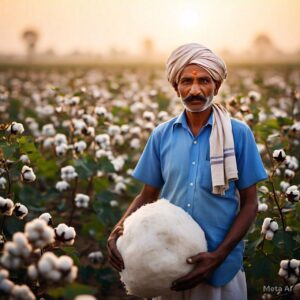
(206, 180)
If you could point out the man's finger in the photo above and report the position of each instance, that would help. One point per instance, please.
(196, 258)
(115, 265)
(116, 260)
(186, 286)
(186, 278)
(113, 251)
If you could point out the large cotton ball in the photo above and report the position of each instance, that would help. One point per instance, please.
(157, 240)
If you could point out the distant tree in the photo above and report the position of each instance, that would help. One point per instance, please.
(148, 47)
(30, 38)
(264, 46)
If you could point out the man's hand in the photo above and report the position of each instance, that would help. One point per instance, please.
(205, 264)
(115, 258)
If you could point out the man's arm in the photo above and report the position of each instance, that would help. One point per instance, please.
(148, 194)
(207, 262)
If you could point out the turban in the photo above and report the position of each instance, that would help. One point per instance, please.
(194, 53)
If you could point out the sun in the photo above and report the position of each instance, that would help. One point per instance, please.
(189, 19)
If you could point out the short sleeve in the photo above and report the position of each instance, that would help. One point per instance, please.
(249, 163)
(148, 168)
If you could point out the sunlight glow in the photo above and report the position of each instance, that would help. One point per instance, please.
(189, 19)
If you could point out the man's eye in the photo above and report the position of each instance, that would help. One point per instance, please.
(204, 80)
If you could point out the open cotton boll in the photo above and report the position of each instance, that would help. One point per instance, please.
(157, 240)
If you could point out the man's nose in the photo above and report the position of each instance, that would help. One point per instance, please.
(195, 90)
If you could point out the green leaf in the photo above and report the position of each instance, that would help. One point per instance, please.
(70, 291)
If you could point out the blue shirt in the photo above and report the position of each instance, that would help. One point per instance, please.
(178, 163)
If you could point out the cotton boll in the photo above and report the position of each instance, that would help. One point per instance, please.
(135, 143)
(279, 155)
(265, 225)
(284, 264)
(61, 149)
(273, 226)
(20, 210)
(68, 173)
(284, 185)
(269, 235)
(60, 139)
(155, 251)
(62, 185)
(65, 234)
(282, 273)
(293, 193)
(64, 263)
(15, 128)
(6, 206)
(32, 272)
(85, 297)
(21, 292)
(82, 200)
(95, 257)
(27, 174)
(262, 207)
(6, 286)
(80, 146)
(46, 217)
(3, 183)
(24, 159)
(294, 263)
(48, 142)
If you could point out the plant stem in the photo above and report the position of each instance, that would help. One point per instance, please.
(277, 204)
(72, 199)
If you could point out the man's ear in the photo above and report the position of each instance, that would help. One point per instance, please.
(217, 84)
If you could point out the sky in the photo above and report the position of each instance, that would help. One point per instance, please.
(99, 25)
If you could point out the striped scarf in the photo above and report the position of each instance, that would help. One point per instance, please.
(222, 155)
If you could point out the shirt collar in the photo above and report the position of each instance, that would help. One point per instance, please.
(181, 119)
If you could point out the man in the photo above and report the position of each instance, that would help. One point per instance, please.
(208, 164)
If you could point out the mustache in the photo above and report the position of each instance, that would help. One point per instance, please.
(192, 98)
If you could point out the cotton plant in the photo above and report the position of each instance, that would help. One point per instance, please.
(269, 228)
(53, 269)
(39, 233)
(16, 252)
(289, 270)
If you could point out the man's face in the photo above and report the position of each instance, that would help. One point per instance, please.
(196, 88)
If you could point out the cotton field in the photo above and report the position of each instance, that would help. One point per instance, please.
(70, 138)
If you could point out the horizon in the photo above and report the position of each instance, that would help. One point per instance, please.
(97, 27)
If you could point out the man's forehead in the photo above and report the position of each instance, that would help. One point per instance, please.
(194, 70)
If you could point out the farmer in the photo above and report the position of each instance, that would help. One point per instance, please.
(208, 164)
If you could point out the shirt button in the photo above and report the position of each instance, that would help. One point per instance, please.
(193, 163)
(195, 142)
(189, 205)
(191, 184)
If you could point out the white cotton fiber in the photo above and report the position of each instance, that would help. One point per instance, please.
(157, 240)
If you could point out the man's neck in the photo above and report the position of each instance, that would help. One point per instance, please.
(196, 120)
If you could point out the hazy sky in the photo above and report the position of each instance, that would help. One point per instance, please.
(97, 25)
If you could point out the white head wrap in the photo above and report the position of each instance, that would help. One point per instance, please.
(194, 53)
